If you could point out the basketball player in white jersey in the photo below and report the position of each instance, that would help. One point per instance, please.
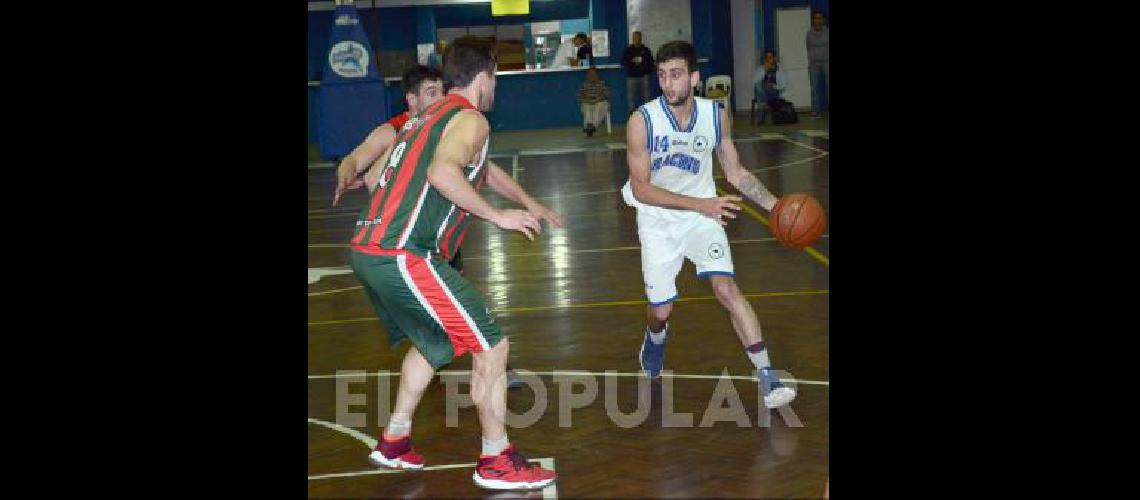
(670, 145)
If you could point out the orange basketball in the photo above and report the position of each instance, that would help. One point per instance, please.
(798, 220)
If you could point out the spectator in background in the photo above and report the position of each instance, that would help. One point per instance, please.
(769, 83)
(818, 47)
(595, 99)
(638, 62)
(585, 51)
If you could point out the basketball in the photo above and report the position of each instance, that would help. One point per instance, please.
(798, 220)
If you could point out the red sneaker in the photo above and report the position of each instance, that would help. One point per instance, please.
(396, 454)
(510, 471)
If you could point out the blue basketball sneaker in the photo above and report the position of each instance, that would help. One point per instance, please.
(652, 355)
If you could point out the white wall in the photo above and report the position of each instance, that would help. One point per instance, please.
(791, 29)
(744, 56)
(660, 21)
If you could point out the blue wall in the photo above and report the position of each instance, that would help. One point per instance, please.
(387, 29)
(547, 100)
(452, 16)
(611, 15)
(402, 28)
(712, 35)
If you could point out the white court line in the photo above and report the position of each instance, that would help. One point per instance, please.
(552, 490)
(759, 137)
(368, 441)
(823, 153)
(797, 162)
(548, 462)
(334, 216)
(320, 165)
(515, 167)
(583, 372)
(318, 273)
(372, 472)
(718, 176)
(541, 254)
(334, 210)
(798, 143)
(553, 151)
(527, 254)
(338, 290)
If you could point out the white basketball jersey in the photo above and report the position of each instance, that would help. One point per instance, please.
(680, 160)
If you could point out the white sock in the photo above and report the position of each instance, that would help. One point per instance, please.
(760, 361)
(398, 426)
(495, 446)
(659, 337)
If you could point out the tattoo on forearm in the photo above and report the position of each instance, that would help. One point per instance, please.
(751, 187)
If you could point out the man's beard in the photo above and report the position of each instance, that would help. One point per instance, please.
(681, 99)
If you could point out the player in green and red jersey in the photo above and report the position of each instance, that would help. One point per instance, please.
(425, 195)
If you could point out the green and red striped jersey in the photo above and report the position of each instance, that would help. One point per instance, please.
(405, 212)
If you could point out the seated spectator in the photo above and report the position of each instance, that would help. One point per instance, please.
(769, 84)
(595, 99)
(585, 52)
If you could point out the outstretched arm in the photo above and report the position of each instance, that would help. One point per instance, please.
(736, 175)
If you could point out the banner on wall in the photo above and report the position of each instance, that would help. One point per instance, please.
(351, 98)
(600, 43)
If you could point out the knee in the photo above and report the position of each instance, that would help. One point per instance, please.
(726, 291)
(661, 313)
(493, 360)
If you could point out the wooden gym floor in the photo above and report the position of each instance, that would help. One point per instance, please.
(573, 300)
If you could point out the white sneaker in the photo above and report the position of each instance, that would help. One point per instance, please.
(779, 396)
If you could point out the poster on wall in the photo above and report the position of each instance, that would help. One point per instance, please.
(424, 52)
(351, 99)
(600, 42)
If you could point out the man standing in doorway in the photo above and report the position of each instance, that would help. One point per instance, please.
(638, 62)
(818, 41)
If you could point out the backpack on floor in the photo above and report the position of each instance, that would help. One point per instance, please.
(783, 112)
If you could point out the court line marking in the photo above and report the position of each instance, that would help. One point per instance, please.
(552, 373)
(640, 302)
(338, 290)
(515, 167)
(539, 254)
(756, 215)
(333, 216)
(552, 151)
(552, 490)
(368, 441)
(798, 143)
(325, 213)
(610, 191)
(318, 273)
(548, 462)
(797, 162)
(514, 255)
(600, 192)
(621, 145)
